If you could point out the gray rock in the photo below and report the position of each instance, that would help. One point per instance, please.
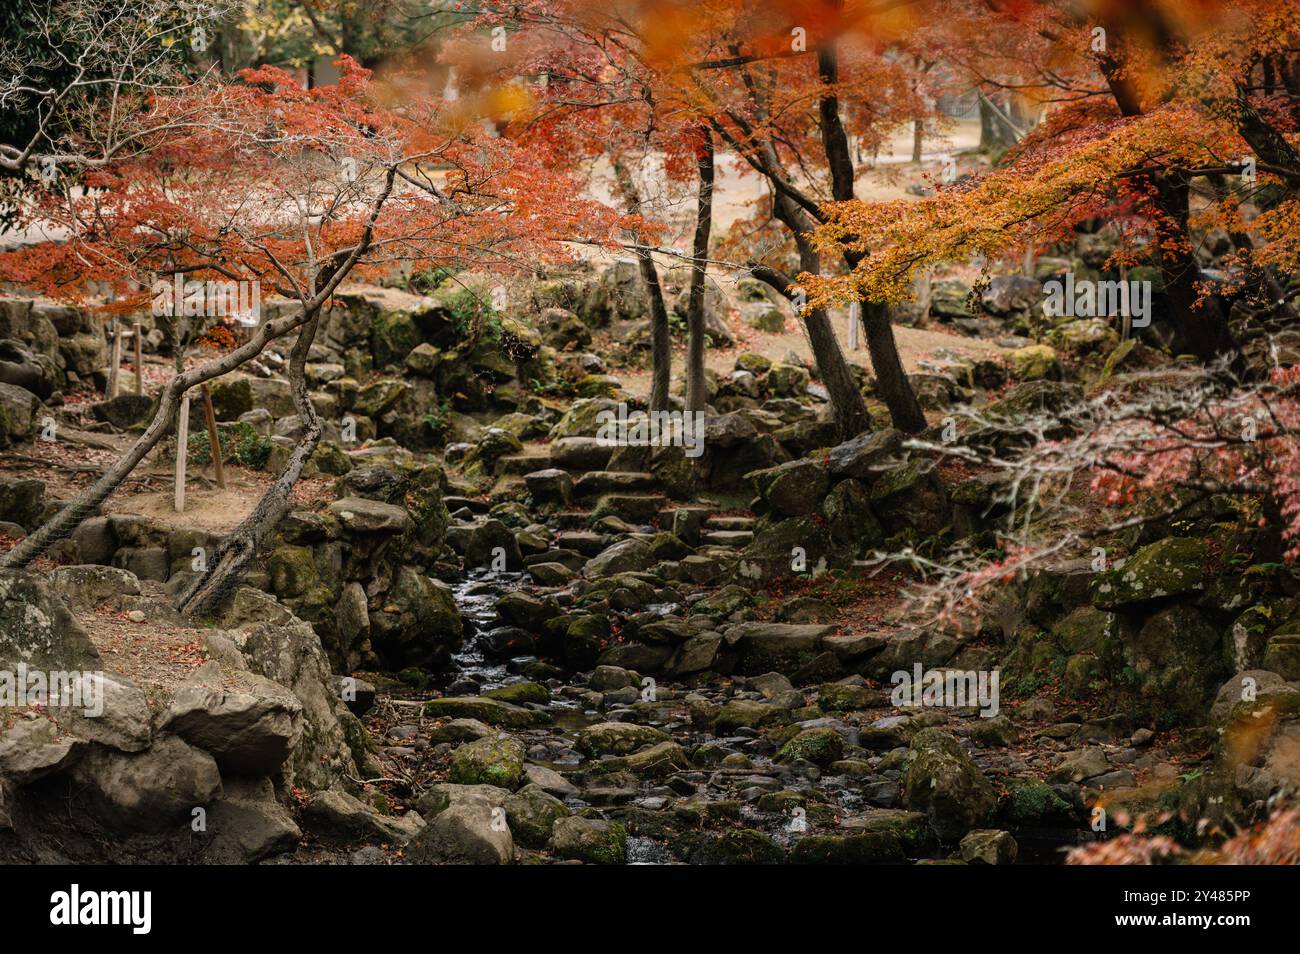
(85, 587)
(248, 723)
(370, 516)
(464, 833)
(151, 790)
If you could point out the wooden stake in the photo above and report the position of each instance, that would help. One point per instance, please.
(214, 443)
(182, 451)
(855, 311)
(139, 359)
(115, 362)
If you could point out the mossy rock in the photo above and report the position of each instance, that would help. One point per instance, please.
(393, 336)
(293, 571)
(531, 814)
(490, 761)
(617, 738)
(1031, 802)
(491, 711)
(1169, 567)
(743, 846)
(868, 848)
(841, 697)
(945, 783)
(590, 840)
(521, 693)
(821, 746)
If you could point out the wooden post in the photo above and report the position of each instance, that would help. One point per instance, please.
(214, 443)
(115, 362)
(855, 325)
(182, 451)
(139, 359)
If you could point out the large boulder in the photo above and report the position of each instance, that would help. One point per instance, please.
(495, 760)
(18, 408)
(151, 790)
(943, 782)
(466, 832)
(1170, 567)
(86, 586)
(418, 623)
(272, 642)
(37, 629)
(793, 488)
(248, 723)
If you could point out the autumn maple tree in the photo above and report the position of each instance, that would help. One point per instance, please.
(259, 179)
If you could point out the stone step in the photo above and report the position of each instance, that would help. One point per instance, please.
(736, 539)
(571, 520)
(635, 508)
(596, 483)
(520, 464)
(580, 453)
(582, 541)
(729, 523)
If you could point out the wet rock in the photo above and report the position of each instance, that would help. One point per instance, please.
(616, 738)
(590, 840)
(744, 846)
(486, 710)
(867, 848)
(418, 623)
(989, 847)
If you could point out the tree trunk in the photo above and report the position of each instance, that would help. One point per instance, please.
(661, 348)
(84, 505)
(891, 379)
(243, 543)
(995, 134)
(696, 386)
(848, 409)
(895, 389)
(918, 140)
(1200, 326)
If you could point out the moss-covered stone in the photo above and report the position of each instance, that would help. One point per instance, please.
(520, 693)
(1168, 567)
(495, 761)
(821, 746)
